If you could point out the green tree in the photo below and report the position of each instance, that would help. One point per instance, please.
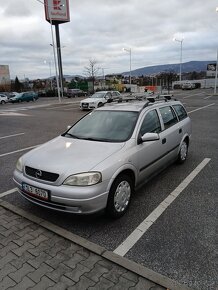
(17, 85)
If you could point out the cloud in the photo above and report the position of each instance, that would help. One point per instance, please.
(100, 29)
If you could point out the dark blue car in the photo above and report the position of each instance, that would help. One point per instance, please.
(24, 97)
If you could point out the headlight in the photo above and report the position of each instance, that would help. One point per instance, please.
(83, 179)
(19, 165)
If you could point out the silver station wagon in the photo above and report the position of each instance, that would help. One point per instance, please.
(99, 162)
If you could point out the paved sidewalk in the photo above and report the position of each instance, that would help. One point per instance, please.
(34, 257)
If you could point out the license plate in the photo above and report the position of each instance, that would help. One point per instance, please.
(35, 191)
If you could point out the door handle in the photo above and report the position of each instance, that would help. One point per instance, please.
(180, 131)
(164, 140)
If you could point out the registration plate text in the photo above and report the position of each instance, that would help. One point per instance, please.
(37, 192)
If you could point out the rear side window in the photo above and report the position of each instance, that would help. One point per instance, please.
(168, 116)
(181, 112)
(151, 123)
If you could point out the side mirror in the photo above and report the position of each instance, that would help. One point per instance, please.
(149, 137)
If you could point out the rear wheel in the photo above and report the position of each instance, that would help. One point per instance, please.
(183, 152)
(2, 102)
(119, 196)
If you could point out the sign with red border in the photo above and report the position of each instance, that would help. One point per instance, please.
(57, 11)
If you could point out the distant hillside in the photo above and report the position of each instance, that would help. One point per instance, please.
(186, 67)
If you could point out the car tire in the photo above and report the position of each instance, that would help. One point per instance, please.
(34, 99)
(100, 105)
(119, 196)
(3, 102)
(183, 152)
(19, 101)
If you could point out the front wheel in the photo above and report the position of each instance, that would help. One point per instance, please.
(119, 196)
(183, 152)
(100, 105)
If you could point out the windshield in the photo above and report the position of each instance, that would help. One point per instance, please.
(18, 95)
(107, 126)
(98, 95)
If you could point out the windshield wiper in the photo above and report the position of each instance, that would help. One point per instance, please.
(71, 135)
(90, 139)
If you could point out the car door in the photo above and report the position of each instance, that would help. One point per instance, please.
(172, 133)
(115, 96)
(25, 97)
(150, 153)
(108, 97)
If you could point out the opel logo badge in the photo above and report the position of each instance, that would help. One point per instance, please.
(38, 173)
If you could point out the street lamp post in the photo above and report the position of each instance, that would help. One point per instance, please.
(215, 82)
(180, 67)
(130, 63)
(58, 47)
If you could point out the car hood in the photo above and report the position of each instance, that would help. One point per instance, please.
(14, 98)
(90, 100)
(67, 156)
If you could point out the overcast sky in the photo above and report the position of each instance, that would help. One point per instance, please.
(100, 29)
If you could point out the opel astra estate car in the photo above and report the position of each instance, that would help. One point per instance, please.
(99, 99)
(99, 161)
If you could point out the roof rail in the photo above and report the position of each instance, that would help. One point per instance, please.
(149, 100)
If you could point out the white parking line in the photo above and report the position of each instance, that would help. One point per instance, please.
(201, 108)
(12, 135)
(8, 192)
(198, 94)
(74, 108)
(20, 150)
(207, 97)
(148, 222)
(63, 106)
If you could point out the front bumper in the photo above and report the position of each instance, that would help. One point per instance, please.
(88, 106)
(74, 199)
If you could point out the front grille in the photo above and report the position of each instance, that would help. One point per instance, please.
(40, 174)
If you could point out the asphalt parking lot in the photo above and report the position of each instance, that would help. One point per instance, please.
(180, 240)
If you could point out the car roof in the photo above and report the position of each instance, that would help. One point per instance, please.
(101, 92)
(136, 106)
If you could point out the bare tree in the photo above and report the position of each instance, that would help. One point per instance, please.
(91, 71)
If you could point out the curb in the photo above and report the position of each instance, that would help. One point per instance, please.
(99, 250)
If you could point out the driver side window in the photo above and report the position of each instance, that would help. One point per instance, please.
(151, 123)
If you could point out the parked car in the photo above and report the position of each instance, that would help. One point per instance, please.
(99, 99)
(72, 93)
(99, 161)
(3, 99)
(24, 97)
(11, 95)
(188, 86)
